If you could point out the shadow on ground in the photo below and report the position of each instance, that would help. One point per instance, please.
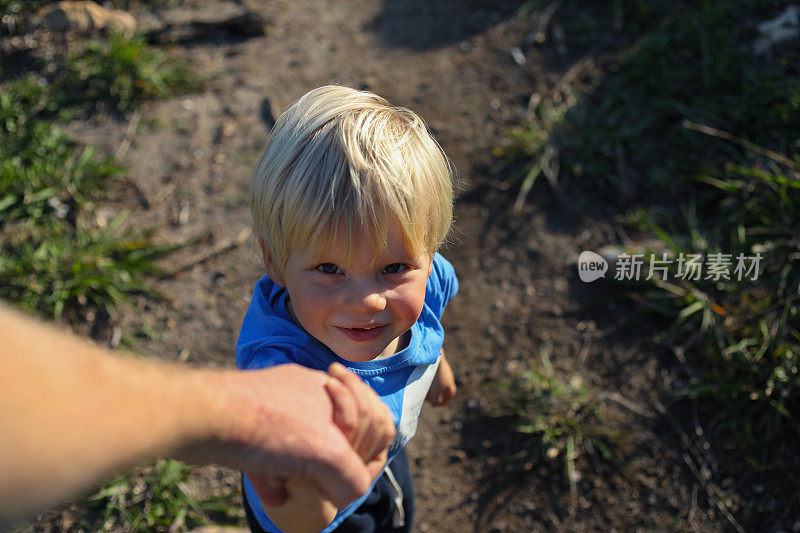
(420, 24)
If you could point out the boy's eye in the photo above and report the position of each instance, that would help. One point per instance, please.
(394, 268)
(328, 268)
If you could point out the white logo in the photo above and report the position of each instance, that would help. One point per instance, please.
(591, 266)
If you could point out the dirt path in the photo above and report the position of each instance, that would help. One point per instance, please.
(190, 160)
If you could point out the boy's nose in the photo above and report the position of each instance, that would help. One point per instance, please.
(365, 297)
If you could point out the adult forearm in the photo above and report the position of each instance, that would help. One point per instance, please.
(72, 414)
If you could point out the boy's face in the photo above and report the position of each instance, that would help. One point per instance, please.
(359, 309)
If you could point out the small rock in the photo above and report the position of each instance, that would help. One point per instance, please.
(202, 27)
(473, 405)
(84, 17)
(529, 506)
(183, 215)
(228, 128)
(116, 337)
(456, 456)
(518, 56)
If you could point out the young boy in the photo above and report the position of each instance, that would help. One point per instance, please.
(351, 199)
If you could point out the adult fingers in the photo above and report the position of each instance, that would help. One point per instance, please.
(352, 381)
(361, 397)
(385, 429)
(381, 432)
(375, 428)
(345, 410)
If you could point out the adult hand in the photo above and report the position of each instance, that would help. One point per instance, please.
(280, 424)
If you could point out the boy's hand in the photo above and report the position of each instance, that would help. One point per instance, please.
(360, 414)
(443, 387)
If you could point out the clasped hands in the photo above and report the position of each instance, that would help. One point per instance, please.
(342, 458)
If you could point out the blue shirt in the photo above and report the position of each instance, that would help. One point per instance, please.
(270, 337)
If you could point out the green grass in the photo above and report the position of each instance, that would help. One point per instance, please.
(40, 166)
(45, 268)
(679, 61)
(747, 332)
(158, 499)
(122, 72)
(54, 254)
(695, 137)
(697, 66)
(533, 145)
(20, 6)
(558, 419)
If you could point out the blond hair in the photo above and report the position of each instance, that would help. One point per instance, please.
(341, 163)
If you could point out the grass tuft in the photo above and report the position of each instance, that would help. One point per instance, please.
(746, 332)
(123, 72)
(158, 499)
(54, 254)
(47, 268)
(558, 419)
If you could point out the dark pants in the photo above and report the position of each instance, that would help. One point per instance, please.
(376, 513)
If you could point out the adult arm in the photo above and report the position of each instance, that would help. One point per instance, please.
(71, 415)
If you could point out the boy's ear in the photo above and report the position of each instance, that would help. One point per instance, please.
(269, 266)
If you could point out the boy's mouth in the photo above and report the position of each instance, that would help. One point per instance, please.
(363, 334)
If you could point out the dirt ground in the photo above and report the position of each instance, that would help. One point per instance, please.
(189, 161)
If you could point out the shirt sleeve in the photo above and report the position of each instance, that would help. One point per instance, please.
(442, 285)
(266, 339)
(258, 355)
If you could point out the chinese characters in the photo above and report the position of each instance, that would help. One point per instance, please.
(690, 267)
